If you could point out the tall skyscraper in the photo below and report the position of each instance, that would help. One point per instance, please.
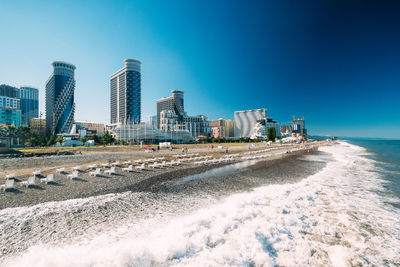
(60, 106)
(174, 103)
(29, 102)
(125, 90)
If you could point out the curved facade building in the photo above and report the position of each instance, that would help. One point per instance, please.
(125, 90)
(60, 106)
(246, 120)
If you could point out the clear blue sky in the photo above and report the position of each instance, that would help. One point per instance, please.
(337, 63)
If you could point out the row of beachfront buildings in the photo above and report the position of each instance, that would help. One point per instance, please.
(171, 121)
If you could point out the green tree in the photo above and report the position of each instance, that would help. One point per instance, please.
(83, 139)
(59, 139)
(33, 141)
(96, 139)
(52, 140)
(23, 133)
(107, 138)
(271, 134)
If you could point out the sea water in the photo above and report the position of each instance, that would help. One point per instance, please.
(347, 214)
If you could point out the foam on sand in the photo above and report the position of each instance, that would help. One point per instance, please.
(333, 218)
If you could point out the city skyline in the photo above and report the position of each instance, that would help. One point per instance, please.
(341, 75)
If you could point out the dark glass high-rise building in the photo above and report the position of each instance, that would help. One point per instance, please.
(125, 90)
(8, 91)
(60, 106)
(29, 103)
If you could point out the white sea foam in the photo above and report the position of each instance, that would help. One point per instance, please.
(332, 218)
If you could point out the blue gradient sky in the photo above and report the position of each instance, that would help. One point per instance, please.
(337, 63)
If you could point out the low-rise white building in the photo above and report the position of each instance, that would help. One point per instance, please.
(195, 125)
(139, 132)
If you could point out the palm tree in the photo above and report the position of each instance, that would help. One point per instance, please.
(11, 133)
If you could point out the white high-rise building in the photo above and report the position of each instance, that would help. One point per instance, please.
(246, 120)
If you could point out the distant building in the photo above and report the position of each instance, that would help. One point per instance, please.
(29, 103)
(92, 128)
(10, 116)
(299, 127)
(222, 128)
(217, 131)
(132, 133)
(286, 130)
(171, 116)
(38, 126)
(9, 102)
(260, 130)
(9, 91)
(246, 120)
(152, 121)
(174, 103)
(125, 90)
(196, 125)
(269, 122)
(10, 112)
(60, 106)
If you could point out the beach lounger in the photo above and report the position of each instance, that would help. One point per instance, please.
(171, 163)
(73, 175)
(9, 185)
(97, 172)
(154, 165)
(48, 179)
(60, 170)
(141, 167)
(128, 169)
(30, 182)
(128, 162)
(91, 167)
(110, 171)
(36, 173)
(138, 161)
(115, 163)
(77, 168)
(105, 165)
(163, 164)
(10, 176)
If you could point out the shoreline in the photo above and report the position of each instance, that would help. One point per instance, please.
(153, 180)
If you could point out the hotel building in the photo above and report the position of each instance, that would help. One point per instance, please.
(94, 128)
(222, 128)
(246, 120)
(38, 126)
(174, 103)
(60, 106)
(29, 103)
(171, 116)
(125, 91)
(10, 112)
